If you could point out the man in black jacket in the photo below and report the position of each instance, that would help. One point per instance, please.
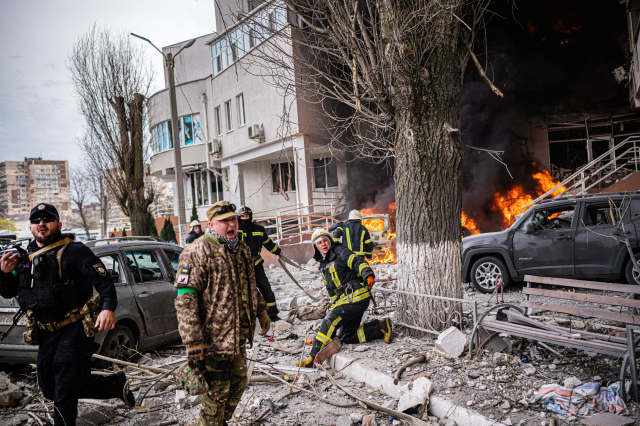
(53, 279)
(348, 279)
(196, 232)
(354, 235)
(255, 236)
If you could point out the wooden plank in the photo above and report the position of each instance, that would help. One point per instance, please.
(533, 333)
(582, 297)
(585, 312)
(591, 285)
(565, 331)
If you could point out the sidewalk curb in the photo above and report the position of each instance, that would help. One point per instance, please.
(439, 406)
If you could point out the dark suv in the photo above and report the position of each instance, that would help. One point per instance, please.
(143, 270)
(568, 237)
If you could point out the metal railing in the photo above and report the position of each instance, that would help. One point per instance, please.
(603, 167)
(409, 310)
(295, 224)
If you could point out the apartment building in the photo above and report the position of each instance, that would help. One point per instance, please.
(23, 184)
(234, 145)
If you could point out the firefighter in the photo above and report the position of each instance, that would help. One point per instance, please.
(217, 307)
(54, 280)
(196, 232)
(348, 279)
(354, 235)
(255, 236)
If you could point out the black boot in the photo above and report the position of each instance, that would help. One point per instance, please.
(130, 398)
(273, 314)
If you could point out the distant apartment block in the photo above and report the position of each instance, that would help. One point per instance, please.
(23, 184)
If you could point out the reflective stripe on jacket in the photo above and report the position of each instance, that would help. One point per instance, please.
(255, 236)
(354, 236)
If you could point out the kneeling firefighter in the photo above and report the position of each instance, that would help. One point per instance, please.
(53, 281)
(354, 235)
(255, 236)
(348, 279)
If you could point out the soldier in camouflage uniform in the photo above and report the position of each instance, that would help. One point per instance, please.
(218, 304)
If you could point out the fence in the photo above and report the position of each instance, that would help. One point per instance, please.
(409, 309)
(295, 224)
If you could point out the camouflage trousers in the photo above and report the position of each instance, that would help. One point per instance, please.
(219, 403)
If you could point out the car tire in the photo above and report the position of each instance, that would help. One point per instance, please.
(484, 272)
(119, 344)
(629, 273)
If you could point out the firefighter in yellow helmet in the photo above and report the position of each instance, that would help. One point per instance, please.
(348, 279)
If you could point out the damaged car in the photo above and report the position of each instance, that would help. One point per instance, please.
(143, 271)
(566, 237)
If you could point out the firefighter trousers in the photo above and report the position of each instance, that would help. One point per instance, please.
(265, 289)
(346, 317)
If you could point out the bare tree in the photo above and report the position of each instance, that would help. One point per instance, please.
(387, 77)
(112, 79)
(81, 195)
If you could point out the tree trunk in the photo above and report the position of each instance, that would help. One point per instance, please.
(428, 188)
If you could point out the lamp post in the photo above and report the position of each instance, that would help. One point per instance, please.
(169, 62)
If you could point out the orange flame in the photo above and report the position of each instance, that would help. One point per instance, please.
(470, 224)
(373, 225)
(386, 254)
(511, 203)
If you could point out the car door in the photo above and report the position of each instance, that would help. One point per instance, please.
(597, 251)
(153, 289)
(547, 250)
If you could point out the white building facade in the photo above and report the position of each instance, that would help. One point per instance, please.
(234, 144)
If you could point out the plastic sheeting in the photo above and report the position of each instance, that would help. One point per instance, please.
(582, 401)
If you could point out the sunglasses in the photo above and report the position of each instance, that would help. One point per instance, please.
(225, 209)
(47, 219)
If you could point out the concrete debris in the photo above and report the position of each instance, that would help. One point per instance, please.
(452, 342)
(344, 421)
(369, 420)
(391, 404)
(152, 402)
(361, 348)
(356, 418)
(530, 371)
(8, 390)
(572, 382)
(288, 303)
(448, 422)
(281, 325)
(418, 394)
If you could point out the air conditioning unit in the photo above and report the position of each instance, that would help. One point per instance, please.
(256, 132)
(215, 147)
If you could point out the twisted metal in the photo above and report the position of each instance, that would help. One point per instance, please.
(407, 309)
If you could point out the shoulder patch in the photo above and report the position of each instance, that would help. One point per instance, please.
(182, 279)
(99, 267)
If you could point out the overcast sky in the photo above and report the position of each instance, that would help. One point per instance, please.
(38, 113)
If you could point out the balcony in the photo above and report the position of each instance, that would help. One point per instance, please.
(163, 166)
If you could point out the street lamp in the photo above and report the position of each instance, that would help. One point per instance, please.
(169, 62)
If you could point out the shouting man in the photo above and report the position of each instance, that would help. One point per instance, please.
(218, 305)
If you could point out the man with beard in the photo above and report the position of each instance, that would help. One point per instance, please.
(217, 306)
(53, 282)
(255, 236)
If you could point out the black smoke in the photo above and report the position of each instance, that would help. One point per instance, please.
(547, 57)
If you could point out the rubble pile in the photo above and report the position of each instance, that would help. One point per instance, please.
(445, 386)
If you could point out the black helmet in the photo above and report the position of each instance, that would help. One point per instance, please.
(245, 210)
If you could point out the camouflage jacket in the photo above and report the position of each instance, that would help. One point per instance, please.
(207, 302)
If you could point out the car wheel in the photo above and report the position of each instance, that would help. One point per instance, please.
(119, 344)
(632, 276)
(485, 271)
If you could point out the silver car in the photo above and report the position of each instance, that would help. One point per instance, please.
(143, 270)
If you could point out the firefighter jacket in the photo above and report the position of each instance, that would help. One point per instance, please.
(58, 280)
(218, 302)
(344, 275)
(193, 235)
(355, 237)
(255, 236)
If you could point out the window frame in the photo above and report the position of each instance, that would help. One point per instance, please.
(228, 110)
(218, 114)
(122, 278)
(242, 121)
(280, 169)
(565, 207)
(326, 161)
(154, 250)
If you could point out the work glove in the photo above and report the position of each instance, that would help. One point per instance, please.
(371, 281)
(195, 353)
(265, 322)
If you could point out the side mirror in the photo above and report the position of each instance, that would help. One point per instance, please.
(529, 228)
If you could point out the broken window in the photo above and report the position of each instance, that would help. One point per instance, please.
(173, 257)
(325, 171)
(144, 266)
(551, 218)
(112, 264)
(283, 178)
(600, 214)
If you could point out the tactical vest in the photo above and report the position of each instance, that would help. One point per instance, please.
(40, 285)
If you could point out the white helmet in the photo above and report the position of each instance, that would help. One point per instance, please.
(355, 215)
(195, 223)
(319, 233)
